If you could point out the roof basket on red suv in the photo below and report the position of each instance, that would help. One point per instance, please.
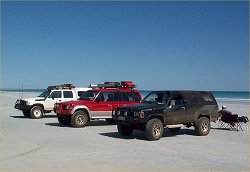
(123, 84)
(63, 86)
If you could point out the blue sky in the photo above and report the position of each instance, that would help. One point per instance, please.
(158, 45)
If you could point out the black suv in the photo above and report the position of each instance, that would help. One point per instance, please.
(161, 109)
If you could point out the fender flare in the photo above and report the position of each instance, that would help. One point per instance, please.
(80, 107)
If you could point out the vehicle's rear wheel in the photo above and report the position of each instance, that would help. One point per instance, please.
(154, 129)
(36, 112)
(124, 130)
(64, 120)
(79, 119)
(202, 126)
(26, 113)
(174, 130)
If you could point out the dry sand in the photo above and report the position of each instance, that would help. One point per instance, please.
(43, 144)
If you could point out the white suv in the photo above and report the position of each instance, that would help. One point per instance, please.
(44, 103)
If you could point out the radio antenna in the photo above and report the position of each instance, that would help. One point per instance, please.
(22, 92)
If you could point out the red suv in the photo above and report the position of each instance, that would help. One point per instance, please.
(97, 103)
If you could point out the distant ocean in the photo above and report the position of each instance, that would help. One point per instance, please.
(220, 96)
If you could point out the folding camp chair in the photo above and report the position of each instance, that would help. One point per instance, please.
(232, 122)
(229, 122)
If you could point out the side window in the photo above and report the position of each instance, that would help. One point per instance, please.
(192, 99)
(67, 94)
(206, 97)
(117, 96)
(106, 96)
(178, 99)
(56, 94)
(130, 97)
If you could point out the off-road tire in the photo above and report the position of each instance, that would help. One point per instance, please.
(64, 120)
(26, 114)
(202, 126)
(36, 112)
(174, 130)
(79, 119)
(154, 129)
(124, 130)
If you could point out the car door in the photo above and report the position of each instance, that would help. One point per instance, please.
(54, 97)
(103, 105)
(192, 107)
(176, 112)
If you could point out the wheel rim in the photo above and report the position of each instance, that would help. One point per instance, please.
(204, 127)
(157, 130)
(37, 112)
(80, 119)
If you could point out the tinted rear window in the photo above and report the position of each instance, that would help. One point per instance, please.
(67, 94)
(206, 97)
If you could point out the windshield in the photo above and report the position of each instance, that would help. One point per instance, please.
(88, 95)
(44, 94)
(157, 98)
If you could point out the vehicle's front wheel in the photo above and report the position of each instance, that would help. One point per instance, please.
(79, 119)
(124, 130)
(64, 120)
(202, 126)
(154, 129)
(36, 112)
(26, 114)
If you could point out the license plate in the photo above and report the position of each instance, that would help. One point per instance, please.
(121, 118)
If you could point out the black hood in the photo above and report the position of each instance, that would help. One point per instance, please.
(142, 106)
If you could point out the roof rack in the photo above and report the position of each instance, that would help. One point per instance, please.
(63, 86)
(122, 84)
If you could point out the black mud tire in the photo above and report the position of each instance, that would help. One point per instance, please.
(202, 126)
(26, 114)
(110, 121)
(124, 130)
(154, 129)
(64, 120)
(79, 119)
(36, 112)
(174, 130)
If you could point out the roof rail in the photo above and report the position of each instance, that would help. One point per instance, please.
(122, 84)
(63, 86)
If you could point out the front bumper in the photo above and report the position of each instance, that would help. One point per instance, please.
(21, 105)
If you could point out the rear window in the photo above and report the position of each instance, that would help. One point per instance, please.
(206, 97)
(67, 94)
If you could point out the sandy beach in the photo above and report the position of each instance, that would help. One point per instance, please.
(43, 144)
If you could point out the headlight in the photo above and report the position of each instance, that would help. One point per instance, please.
(125, 113)
(66, 107)
(137, 113)
(27, 103)
(118, 113)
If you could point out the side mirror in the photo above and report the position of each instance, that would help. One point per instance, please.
(53, 97)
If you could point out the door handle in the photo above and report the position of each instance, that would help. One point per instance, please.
(109, 105)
